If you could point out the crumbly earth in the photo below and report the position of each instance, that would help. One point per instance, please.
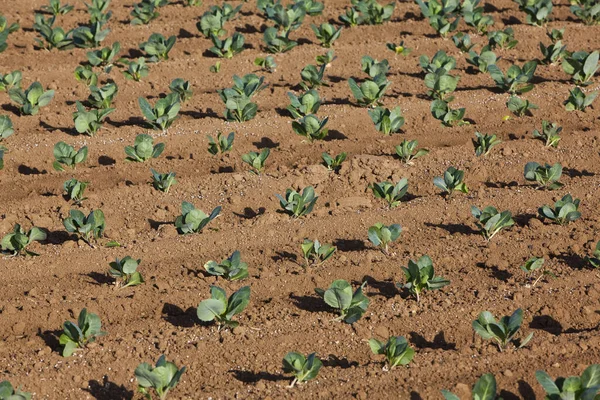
(38, 294)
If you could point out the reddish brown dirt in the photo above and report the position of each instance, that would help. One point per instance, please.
(39, 294)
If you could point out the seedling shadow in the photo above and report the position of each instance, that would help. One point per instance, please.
(309, 303)
(332, 361)
(575, 173)
(131, 121)
(185, 34)
(438, 343)
(339, 101)
(156, 224)
(386, 289)
(415, 396)
(68, 131)
(547, 324)
(506, 395)
(454, 228)
(106, 160)
(99, 279)
(347, 245)
(11, 108)
(108, 390)
(51, 338)
(501, 185)
(526, 391)
(265, 143)
(282, 112)
(523, 219)
(253, 377)
(56, 237)
(198, 114)
(25, 170)
(574, 261)
(495, 272)
(249, 29)
(176, 316)
(335, 135)
(249, 213)
(284, 255)
(512, 20)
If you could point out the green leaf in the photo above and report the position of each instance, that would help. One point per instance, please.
(209, 309)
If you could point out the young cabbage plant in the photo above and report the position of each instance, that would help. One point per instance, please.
(256, 160)
(31, 99)
(585, 387)
(143, 13)
(303, 368)
(143, 149)
(296, 204)
(381, 235)
(232, 268)
(248, 85)
(85, 74)
(550, 133)
(370, 92)
(334, 163)
(164, 112)
(193, 3)
(311, 7)
(52, 38)
(578, 100)
(87, 228)
(286, 19)
(104, 57)
(484, 389)
(163, 182)
(2, 150)
(483, 143)
(221, 309)
(193, 220)
(75, 190)
(238, 107)
(316, 253)
(503, 331)
(565, 210)
(373, 13)
(125, 272)
(313, 77)
(391, 193)
(520, 107)
(7, 392)
(89, 36)
(407, 151)
(311, 127)
(440, 15)
(554, 53)
(326, 34)
(66, 156)
(387, 121)
(462, 41)
(212, 23)
(532, 265)
(397, 351)
(517, 79)
(420, 276)
(136, 70)
(440, 60)
(351, 18)
(399, 48)
(98, 11)
(10, 80)
(276, 42)
(594, 259)
(162, 378)
(78, 335)
(222, 144)
(546, 176)
(227, 11)
(453, 180)
(440, 109)
(474, 17)
(441, 85)
(267, 63)
(102, 97)
(483, 60)
(215, 68)
(89, 122)
(305, 104)
(326, 58)
(182, 88)
(490, 221)
(538, 12)
(587, 11)
(17, 241)
(350, 305)
(6, 128)
(158, 47)
(374, 68)
(581, 66)
(55, 8)
(229, 47)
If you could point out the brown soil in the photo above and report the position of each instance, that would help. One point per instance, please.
(39, 294)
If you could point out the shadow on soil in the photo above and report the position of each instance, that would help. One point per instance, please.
(438, 343)
(176, 316)
(107, 390)
(253, 377)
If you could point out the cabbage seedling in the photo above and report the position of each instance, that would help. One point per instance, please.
(396, 350)
(286, 19)
(532, 265)
(143, 149)
(256, 160)
(232, 268)
(420, 276)
(453, 180)
(483, 60)
(98, 11)
(238, 107)
(31, 99)
(351, 306)
(504, 39)
(565, 210)
(374, 68)
(266, 63)
(10, 80)
(296, 204)
(143, 13)
(193, 220)
(585, 387)
(102, 97)
(248, 85)
(519, 106)
(370, 92)
(439, 15)
(7, 392)
(351, 18)
(546, 176)
(484, 389)
(193, 3)
(276, 42)
(326, 33)
(462, 41)
(316, 253)
(538, 12)
(164, 112)
(223, 144)
(550, 133)
(52, 38)
(85, 74)
(517, 79)
(407, 151)
(333, 163)
(104, 57)
(553, 53)
(228, 47)
(475, 18)
(310, 7)
(1, 158)
(311, 127)
(387, 121)
(74, 190)
(440, 60)
(6, 127)
(163, 182)
(381, 235)
(441, 84)
(391, 193)
(212, 23)
(55, 8)
(578, 100)
(313, 77)
(581, 66)
(89, 36)
(125, 272)
(440, 109)
(136, 70)
(88, 228)
(483, 143)
(326, 58)
(303, 368)
(17, 241)
(399, 49)
(78, 336)
(490, 221)
(65, 155)
(587, 10)
(89, 122)
(158, 47)
(220, 309)
(162, 378)
(227, 11)
(594, 260)
(305, 104)
(502, 331)
(215, 68)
